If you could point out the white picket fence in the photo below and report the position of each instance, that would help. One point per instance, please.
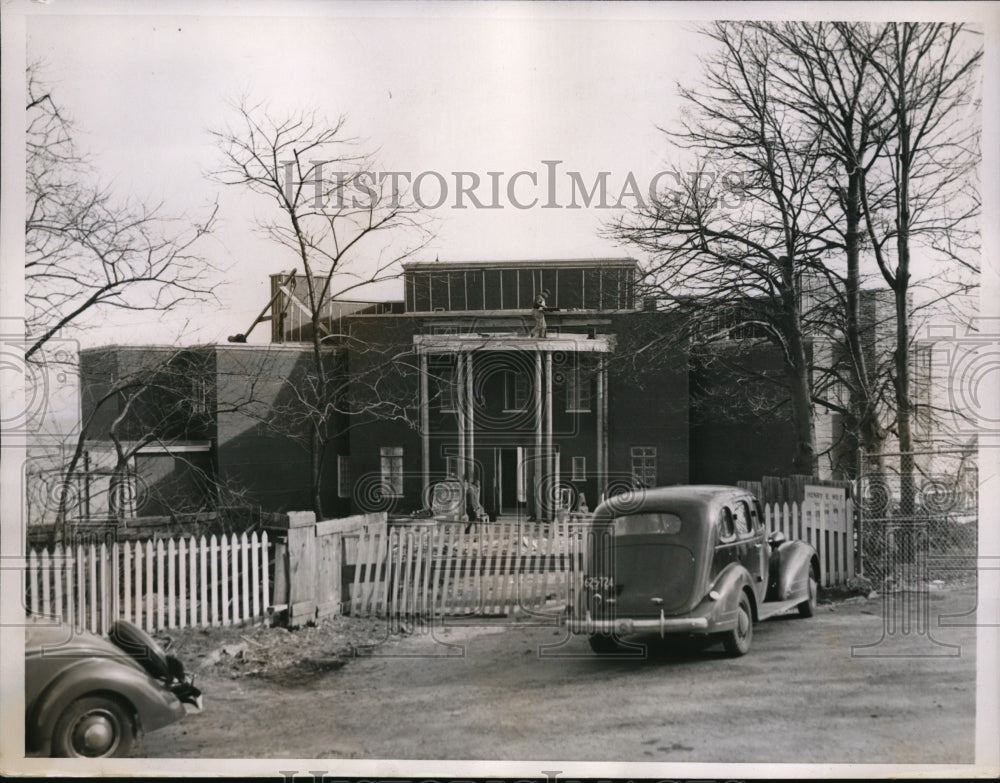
(172, 583)
(827, 526)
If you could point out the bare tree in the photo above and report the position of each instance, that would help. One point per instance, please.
(923, 194)
(346, 226)
(735, 252)
(86, 249)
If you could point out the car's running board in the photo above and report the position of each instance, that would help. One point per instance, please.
(771, 608)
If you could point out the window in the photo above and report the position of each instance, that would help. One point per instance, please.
(516, 391)
(392, 470)
(343, 476)
(644, 466)
(579, 469)
(578, 390)
(199, 395)
(446, 390)
(741, 516)
(727, 530)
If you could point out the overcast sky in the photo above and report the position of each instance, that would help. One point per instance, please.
(476, 89)
(428, 87)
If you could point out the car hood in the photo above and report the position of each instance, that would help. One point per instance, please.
(55, 638)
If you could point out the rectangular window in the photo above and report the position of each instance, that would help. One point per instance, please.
(578, 390)
(579, 469)
(446, 390)
(199, 395)
(517, 388)
(392, 470)
(644, 466)
(343, 476)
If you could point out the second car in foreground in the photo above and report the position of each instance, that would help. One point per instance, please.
(692, 560)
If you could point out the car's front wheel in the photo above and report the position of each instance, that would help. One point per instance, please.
(737, 641)
(808, 607)
(93, 727)
(604, 643)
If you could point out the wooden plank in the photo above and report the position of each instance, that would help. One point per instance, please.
(107, 585)
(351, 524)
(361, 587)
(849, 513)
(148, 620)
(171, 582)
(550, 549)
(203, 580)
(255, 575)
(446, 554)
(406, 569)
(59, 563)
(246, 555)
(193, 584)
(70, 597)
(160, 584)
(327, 572)
(302, 568)
(182, 587)
(115, 565)
(467, 579)
(224, 614)
(33, 588)
(81, 587)
(265, 585)
(489, 565)
(384, 569)
(44, 569)
(427, 589)
(213, 559)
(92, 596)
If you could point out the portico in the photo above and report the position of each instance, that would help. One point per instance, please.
(488, 408)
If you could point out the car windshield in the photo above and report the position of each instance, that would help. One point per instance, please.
(645, 524)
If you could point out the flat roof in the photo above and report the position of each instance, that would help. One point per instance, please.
(550, 263)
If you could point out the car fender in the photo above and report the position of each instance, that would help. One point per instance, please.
(154, 705)
(730, 584)
(795, 559)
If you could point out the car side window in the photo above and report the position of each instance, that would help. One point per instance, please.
(741, 514)
(726, 529)
(758, 514)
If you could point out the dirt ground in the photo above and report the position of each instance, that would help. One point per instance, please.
(808, 691)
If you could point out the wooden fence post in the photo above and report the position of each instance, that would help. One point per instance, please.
(301, 566)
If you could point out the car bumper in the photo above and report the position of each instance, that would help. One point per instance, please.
(629, 625)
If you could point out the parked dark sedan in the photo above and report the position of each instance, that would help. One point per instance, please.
(86, 695)
(688, 560)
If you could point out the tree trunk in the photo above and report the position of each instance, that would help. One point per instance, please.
(868, 432)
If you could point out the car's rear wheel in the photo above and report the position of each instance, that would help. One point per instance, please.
(737, 641)
(604, 643)
(808, 607)
(93, 727)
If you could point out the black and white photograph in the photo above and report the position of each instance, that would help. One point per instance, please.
(500, 390)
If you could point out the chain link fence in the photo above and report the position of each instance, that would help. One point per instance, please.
(918, 517)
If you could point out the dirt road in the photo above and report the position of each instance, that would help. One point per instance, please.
(507, 693)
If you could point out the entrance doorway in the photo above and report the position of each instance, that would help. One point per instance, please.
(509, 488)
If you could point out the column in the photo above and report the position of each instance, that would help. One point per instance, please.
(600, 432)
(460, 410)
(550, 457)
(425, 427)
(470, 416)
(537, 462)
(605, 423)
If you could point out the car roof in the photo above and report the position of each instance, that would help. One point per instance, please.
(688, 497)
